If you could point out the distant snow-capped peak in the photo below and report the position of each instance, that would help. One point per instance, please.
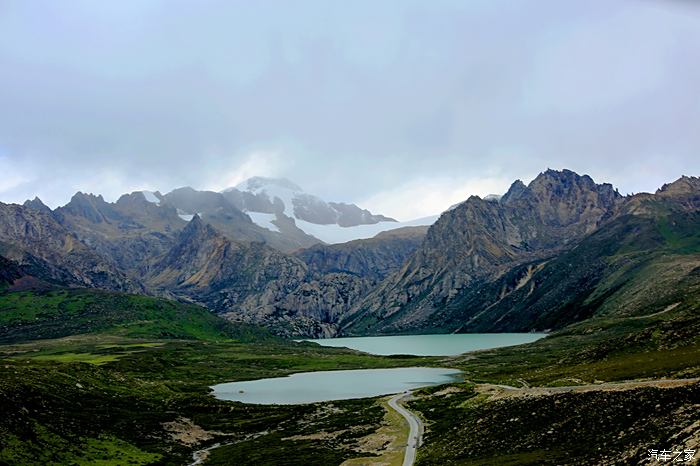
(260, 183)
(331, 222)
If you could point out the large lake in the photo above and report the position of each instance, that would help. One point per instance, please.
(431, 345)
(310, 387)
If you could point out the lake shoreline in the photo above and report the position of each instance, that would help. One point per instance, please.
(445, 344)
(334, 385)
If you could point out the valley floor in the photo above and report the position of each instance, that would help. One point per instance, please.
(136, 392)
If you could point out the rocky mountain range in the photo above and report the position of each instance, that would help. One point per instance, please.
(195, 246)
(542, 256)
(281, 196)
(537, 259)
(49, 251)
(282, 206)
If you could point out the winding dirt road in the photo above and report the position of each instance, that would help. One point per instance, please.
(415, 428)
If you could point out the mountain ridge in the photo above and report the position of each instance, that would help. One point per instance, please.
(472, 270)
(480, 250)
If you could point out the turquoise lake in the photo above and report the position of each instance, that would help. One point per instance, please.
(311, 387)
(431, 345)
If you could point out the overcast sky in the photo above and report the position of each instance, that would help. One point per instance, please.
(404, 107)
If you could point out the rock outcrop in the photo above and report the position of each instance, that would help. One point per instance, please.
(478, 240)
(47, 250)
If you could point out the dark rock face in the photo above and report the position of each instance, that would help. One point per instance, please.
(479, 240)
(351, 215)
(313, 308)
(252, 282)
(212, 269)
(244, 200)
(9, 272)
(314, 210)
(37, 204)
(48, 250)
(130, 232)
(91, 207)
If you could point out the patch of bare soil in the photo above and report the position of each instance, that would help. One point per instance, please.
(186, 432)
(500, 391)
(448, 390)
(317, 436)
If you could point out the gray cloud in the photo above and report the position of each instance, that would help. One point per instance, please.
(349, 99)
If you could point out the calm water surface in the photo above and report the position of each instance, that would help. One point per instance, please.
(431, 345)
(310, 387)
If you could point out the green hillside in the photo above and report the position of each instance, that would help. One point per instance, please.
(633, 265)
(32, 315)
(91, 377)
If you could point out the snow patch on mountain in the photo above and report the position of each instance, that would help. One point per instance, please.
(327, 221)
(282, 189)
(333, 234)
(151, 197)
(264, 220)
(184, 215)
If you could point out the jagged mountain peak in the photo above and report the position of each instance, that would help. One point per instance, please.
(516, 191)
(555, 186)
(81, 196)
(196, 226)
(683, 185)
(564, 178)
(37, 204)
(90, 206)
(139, 197)
(198, 231)
(479, 238)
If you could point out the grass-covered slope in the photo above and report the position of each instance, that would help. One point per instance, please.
(632, 291)
(630, 266)
(473, 273)
(614, 426)
(89, 377)
(609, 400)
(33, 315)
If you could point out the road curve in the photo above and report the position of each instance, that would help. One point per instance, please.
(415, 428)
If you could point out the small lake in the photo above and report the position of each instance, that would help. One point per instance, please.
(311, 387)
(431, 345)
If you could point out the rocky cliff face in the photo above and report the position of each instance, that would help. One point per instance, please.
(630, 263)
(252, 282)
(130, 232)
(46, 249)
(479, 240)
(209, 267)
(9, 272)
(313, 308)
(37, 204)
